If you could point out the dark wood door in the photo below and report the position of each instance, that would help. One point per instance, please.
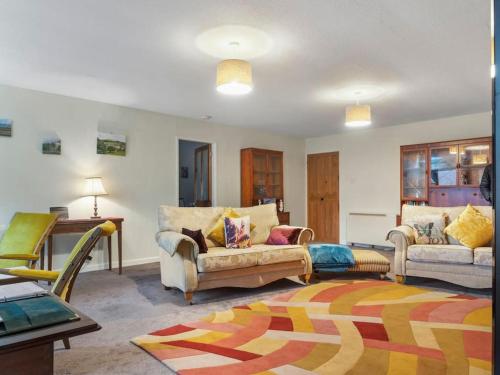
(323, 196)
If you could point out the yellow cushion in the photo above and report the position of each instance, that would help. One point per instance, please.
(471, 228)
(216, 234)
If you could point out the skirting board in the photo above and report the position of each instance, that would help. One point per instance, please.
(125, 263)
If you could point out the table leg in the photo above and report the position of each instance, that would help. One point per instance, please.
(120, 251)
(49, 253)
(109, 253)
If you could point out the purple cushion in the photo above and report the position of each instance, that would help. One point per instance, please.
(198, 237)
(284, 236)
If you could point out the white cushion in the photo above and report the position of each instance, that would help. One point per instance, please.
(483, 256)
(440, 254)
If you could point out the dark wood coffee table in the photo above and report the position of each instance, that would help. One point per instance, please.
(32, 352)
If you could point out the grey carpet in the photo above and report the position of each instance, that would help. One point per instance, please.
(135, 303)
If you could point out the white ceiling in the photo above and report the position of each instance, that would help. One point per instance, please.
(432, 57)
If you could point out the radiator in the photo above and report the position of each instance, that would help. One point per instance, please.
(369, 228)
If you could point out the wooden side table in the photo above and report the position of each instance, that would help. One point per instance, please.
(66, 226)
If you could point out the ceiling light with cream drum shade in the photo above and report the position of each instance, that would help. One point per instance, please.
(358, 116)
(234, 77)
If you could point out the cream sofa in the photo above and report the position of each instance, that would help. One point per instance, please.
(454, 263)
(184, 268)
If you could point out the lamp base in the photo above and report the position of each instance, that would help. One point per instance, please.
(95, 217)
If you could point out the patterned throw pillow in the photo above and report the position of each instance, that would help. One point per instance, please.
(216, 234)
(429, 229)
(237, 231)
(283, 236)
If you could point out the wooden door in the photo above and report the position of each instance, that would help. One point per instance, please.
(203, 176)
(323, 196)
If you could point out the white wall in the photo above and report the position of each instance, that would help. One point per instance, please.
(138, 183)
(369, 160)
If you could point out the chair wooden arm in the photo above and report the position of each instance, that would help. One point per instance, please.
(30, 274)
(14, 256)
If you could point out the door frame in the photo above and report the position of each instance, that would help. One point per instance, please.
(307, 188)
(213, 184)
(197, 173)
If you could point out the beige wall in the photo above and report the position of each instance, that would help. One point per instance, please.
(369, 160)
(137, 183)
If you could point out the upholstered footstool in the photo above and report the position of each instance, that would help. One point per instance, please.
(370, 261)
(340, 258)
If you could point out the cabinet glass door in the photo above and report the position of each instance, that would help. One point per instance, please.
(473, 159)
(414, 175)
(444, 162)
(275, 189)
(259, 175)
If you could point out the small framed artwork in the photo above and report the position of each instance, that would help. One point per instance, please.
(184, 172)
(5, 127)
(111, 144)
(51, 146)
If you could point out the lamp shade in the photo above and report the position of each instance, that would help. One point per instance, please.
(358, 115)
(234, 77)
(94, 186)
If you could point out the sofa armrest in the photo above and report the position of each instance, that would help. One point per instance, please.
(401, 237)
(171, 242)
(306, 234)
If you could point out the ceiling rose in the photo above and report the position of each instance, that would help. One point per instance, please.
(234, 42)
(364, 92)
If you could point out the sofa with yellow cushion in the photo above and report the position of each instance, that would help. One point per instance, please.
(183, 267)
(453, 262)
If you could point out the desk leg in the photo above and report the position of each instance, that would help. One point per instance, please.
(109, 253)
(50, 240)
(120, 251)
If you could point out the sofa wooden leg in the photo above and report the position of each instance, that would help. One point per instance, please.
(305, 278)
(400, 279)
(188, 296)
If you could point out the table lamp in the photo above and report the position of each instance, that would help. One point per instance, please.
(94, 187)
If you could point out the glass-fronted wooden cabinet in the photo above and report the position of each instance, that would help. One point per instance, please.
(444, 173)
(261, 175)
(414, 174)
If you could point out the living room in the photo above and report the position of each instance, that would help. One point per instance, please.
(97, 101)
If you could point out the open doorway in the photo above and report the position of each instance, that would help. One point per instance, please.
(195, 174)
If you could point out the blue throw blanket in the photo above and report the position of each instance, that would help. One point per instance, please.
(331, 257)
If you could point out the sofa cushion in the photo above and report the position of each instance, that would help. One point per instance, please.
(175, 218)
(220, 258)
(483, 256)
(440, 254)
(265, 217)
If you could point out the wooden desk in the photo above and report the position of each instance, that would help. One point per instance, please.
(32, 352)
(65, 226)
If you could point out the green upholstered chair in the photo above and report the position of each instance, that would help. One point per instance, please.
(25, 237)
(64, 280)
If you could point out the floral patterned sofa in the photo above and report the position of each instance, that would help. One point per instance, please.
(453, 262)
(183, 267)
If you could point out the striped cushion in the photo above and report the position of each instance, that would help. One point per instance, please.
(369, 261)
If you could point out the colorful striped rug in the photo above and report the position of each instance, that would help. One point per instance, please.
(355, 327)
